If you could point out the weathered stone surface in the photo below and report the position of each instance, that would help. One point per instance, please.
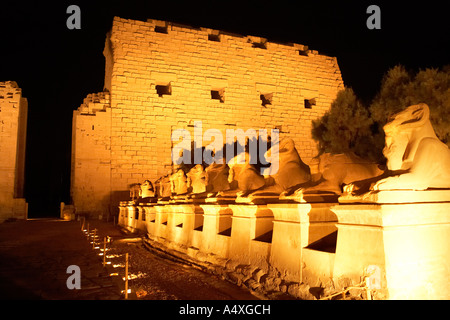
(147, 189)
(216, 178)
(292, 171)
(13, 128)
(179, 182)
(164, 187)
(196, 179)
(245, 174)
(339, 169)
(406, 242)
(301, 291)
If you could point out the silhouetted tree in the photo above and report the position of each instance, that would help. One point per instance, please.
(346, 127)
(400, 89)
(351, 126)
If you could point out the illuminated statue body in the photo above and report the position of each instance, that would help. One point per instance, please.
(216, 178)
(412, 145)
(147, 190)
(292, 171)
(416, 158)
(244, 175)
(340, 169)
(135, 190)
(196, 179)
(405, 227)
(164, 187)
(178, 182)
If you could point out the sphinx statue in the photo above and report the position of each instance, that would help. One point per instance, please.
(243, 176)
(337, 170)
(292, 171)
(196, 180)
(164, 187)
(216, 178)
(135, 190)
(416, 158)
(147, 190)
(178, 182)
(290, 174)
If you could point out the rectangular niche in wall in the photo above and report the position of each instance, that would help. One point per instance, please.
(163, 89)
(218, 94)
(309, 103)
(214, 37)
(224, 226)
(198, 222)
(264, 229)
(163, 218)
(161, 29)
(303, 52)
(266, 98)
(257, 42)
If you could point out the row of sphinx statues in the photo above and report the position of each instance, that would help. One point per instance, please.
(416, 160)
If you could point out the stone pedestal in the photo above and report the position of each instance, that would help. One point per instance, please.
(287, 239)
(150, 219)
(139, 223)
(408, 242)
(174, 222)
(160, 222)
(296, 226)
(398, 196)
(216, 229)
(122, 213)
(184, 220)
(131, 214)
(249, 222)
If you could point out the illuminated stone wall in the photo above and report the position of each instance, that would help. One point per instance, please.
(91, 153)
(163, 76)
(13, 124)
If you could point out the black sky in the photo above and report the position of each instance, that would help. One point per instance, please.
(56, 67)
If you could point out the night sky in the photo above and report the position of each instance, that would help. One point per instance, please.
(56, 67)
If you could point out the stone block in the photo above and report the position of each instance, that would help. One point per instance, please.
(408, 242)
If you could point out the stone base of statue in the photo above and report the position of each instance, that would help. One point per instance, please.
(198, 198)
(162, 201)
(201, 195)
(148, 200)
(259, 198)
(180, 198)
(399, 239)
(310, 196)
(262, 196)
(398, 196)
(222, 197)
